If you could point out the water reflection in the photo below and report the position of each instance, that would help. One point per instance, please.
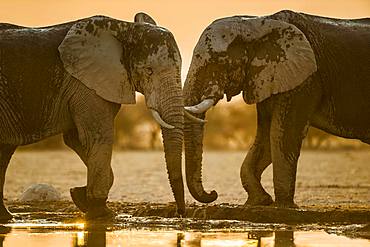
(251, 238)
(3, 231)
(94, 235)
(258, 235)
(100, 235)
(284, 239)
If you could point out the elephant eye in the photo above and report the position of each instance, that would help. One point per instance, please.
(149, 70)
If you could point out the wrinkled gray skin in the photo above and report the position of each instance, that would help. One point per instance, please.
(335, 98)
(39, 98)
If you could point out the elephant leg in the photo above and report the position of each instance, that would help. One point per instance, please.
(94, 121)
(290, 120)
(71, 140)
(92, 198)
(256, 161)
(78, 194)
(6, 152)
(99, 179)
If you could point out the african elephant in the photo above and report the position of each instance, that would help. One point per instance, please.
(300, 70)
(72, 78)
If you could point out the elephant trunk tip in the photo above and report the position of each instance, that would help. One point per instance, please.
(205, 197)
(181, 211)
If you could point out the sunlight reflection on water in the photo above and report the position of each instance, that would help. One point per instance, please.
(78, 235)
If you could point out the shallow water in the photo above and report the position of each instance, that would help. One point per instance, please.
(40, 229)
(31, 234)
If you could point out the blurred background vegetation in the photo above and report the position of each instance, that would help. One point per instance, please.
(231, 126)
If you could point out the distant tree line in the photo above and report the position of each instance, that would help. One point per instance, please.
(230, 126)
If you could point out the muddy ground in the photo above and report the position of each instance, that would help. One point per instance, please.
(333, 192)
(57, 216)
(324, 179)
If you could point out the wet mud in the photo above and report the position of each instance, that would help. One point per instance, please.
(215, 212)
(354, 223)
(263, 214)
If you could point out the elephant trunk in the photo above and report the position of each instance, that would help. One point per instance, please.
(171, 108)
(193, 137)
(172, 141)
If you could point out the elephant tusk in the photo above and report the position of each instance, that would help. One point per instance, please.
(160, 121)
(201, 107)
(195, 119)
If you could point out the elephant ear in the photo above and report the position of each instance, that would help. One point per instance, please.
(283, 59)
(144, 18)
(91, 53)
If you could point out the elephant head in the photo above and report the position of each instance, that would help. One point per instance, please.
(257, 56)
(117, 59)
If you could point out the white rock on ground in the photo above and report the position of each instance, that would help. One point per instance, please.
(40, 192)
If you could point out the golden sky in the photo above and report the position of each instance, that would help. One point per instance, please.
(186, 19)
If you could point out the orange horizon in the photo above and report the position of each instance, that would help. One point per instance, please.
(185, 19)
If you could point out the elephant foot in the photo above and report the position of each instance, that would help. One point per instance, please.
(264, 200)
(79, 197)
(284, 204)
(98, 210)
(5, 215)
